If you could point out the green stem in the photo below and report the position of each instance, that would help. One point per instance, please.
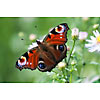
(71, 53)
(65, 60)
(82, 58)
(63, 73)
(70, 79)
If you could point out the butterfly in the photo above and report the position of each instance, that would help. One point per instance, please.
(48, 53)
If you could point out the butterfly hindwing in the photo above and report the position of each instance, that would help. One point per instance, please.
(51, 57)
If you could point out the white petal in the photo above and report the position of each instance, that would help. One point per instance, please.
(89, 41)
(89, 45)
(98, 48)
(93, 38)
(92, 49)
(95, 33)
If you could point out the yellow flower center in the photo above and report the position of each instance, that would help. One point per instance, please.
(98, 39)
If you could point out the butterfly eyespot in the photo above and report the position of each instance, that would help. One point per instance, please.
(60, 47)
(59, 29)
(41, 65)
(22, 61)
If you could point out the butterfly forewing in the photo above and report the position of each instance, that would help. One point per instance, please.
(29, 60)
(57, 36)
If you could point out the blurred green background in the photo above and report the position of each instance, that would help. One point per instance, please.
(12, 47)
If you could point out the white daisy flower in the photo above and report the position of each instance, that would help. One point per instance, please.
(94, 43)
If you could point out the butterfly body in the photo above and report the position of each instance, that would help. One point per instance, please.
(48, 53)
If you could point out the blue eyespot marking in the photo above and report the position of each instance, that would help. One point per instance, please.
(61, 47)
(20, 65)
(41, 65)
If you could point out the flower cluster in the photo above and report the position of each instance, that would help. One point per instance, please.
(72, 64)
(81, 35)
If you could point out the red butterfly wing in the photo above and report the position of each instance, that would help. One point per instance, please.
(57, 35)
(48, 53)
(28, 60)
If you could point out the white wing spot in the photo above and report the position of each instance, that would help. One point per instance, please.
(32, 46)
(50, 33)
(61, 37)
(57, 47)
(27, 63)
(61, 34)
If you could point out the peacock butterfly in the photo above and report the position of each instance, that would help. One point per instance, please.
(48, 53)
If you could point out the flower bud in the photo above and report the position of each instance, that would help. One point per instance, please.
(68, 48)
(73, 63)
(61, 65)
(95, 26)
(83, 35)
(85, 18)
(32, 37)
(20, 34)
(75, 33)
